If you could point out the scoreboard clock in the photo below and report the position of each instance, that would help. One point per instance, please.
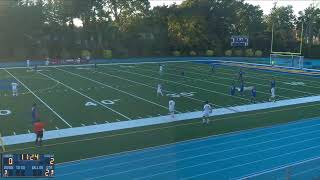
(27, 165)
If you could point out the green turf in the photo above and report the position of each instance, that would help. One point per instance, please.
(133, 89)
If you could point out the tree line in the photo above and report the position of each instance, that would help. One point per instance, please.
(131, 28)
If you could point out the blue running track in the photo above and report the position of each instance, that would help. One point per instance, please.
(229, 156)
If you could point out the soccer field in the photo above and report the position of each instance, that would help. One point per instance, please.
(81, 95)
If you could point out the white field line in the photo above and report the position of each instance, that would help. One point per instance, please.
(210, 82)
(97, 82)
(49, 77)
(54, 112)
(149, 86)
(220, 77)
(279, 74)
(180, 84)
(70, 132)
(253, 83)
(161, 61)
(198, 140)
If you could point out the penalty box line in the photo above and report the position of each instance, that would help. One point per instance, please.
(54, 112)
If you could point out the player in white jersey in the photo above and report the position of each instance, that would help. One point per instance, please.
(273, 94)
(207, 110)
(159, 90)
(47, 62)
(14, 89)
(28, 63)
(160, 69)
(171, 107)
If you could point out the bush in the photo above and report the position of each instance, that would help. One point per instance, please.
(228, 53)
(192, 53)
(85, 54)
(209, 53)
(176, 53)
(238, 52)
(249, 52)
(258, 53)
(107, 54)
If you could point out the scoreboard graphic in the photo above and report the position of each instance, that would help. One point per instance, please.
(239, 41)
(27, 165)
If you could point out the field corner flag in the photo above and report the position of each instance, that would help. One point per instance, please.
(2, 143)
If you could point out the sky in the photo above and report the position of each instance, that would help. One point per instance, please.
(266, 5)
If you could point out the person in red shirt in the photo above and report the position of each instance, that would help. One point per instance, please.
(38, 130)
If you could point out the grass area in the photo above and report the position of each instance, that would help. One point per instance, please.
(124, 92)
(137, 138)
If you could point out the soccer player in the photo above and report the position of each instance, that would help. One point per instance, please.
(28, 63)
(14, 87)
(213, 67)
(171, 107)
(38, 130)
(47, 62)
(160, 69)
(159, 90)
(241, 89)
(253, 95)
(273, 94)
(273, 90)
(207, 110)
(34, 113)
(241, 73)
(233, 90)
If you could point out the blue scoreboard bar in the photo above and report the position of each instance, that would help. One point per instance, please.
(27, 165)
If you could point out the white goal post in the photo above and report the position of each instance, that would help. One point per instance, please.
(287, 60)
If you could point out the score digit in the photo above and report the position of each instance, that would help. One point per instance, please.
(49, 172)
(10, 161)
(52, 161)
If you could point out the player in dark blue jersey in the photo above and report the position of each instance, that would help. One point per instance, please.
(213, 67)
(34, 113)
(253, 94)
(241, 88)
(241, 73)
(273, 83)
(233, 90)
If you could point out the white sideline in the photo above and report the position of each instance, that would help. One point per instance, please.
(69, 132)
(53, 111)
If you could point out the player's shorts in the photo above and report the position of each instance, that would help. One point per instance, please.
(206, 114)
(39, 134)
(273, 94)
(171, 110)
(159, 91)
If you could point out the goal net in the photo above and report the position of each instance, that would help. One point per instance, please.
(287, 60)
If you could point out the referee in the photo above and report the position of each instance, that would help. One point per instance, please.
(38, 130)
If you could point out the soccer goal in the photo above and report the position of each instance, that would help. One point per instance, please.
(287, 60)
